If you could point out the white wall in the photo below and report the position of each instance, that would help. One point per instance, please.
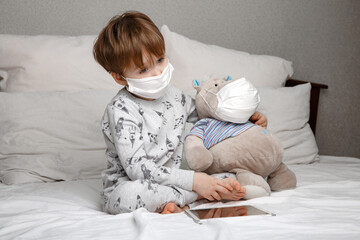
(320, 37)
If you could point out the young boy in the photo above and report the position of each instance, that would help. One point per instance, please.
(143, 125)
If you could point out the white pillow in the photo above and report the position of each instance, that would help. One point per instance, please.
(50, 63)
(50, 136)
(195, 60)
(288, 111)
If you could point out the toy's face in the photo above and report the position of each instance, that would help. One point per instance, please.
(227, 100)
(206, 99)
(213, 86)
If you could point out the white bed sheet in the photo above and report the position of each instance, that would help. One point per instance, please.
(325, 205)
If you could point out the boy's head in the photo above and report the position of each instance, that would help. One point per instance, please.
(125, 40)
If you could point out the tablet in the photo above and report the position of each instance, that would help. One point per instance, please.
(224, 212)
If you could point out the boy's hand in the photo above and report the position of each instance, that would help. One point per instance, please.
(210, 187)
(259, 119)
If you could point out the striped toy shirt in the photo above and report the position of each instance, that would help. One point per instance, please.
(213, 131)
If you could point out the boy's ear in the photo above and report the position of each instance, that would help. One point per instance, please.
(196, 85)
(118, 78)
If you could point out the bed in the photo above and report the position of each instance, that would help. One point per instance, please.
(52, 153)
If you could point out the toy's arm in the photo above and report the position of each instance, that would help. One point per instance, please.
(196, 154)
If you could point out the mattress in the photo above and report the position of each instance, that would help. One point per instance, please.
(324, 205)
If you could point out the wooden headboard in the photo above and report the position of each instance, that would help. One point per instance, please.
(314, 99)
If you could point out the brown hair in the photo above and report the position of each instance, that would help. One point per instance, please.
(124, 40)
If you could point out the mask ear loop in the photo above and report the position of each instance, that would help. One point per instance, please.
(207, 91)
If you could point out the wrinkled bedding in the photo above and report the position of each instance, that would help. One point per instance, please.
(325, 205)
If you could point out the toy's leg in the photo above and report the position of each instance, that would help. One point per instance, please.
(197, 156)
(255, 185)
(282, 178)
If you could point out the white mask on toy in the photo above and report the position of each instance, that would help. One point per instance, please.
(237, 101)
(151, 87)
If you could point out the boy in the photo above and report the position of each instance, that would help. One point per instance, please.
(143, 125)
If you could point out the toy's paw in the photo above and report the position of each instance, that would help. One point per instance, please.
(199, 159)
(253, 191)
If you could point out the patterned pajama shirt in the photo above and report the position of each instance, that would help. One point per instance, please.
(144, 142)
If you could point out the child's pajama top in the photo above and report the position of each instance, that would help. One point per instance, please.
(144, 141)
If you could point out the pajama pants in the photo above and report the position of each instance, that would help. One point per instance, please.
(127, 196)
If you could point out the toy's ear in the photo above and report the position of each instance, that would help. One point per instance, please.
(196, 85)
(228, 78)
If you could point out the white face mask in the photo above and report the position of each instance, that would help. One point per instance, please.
(151, 87)
(237, 101)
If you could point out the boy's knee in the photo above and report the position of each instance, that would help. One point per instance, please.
(112, 208)
(120, 199)
(129, 196)
(115, 205)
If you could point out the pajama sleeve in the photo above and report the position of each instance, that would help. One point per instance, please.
(191, 110)
(128, 139)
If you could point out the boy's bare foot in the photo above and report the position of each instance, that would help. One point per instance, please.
(173, 208)
(237, 193)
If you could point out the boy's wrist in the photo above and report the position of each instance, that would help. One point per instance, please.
(196, 184)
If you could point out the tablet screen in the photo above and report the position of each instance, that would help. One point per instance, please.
(237, 211)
